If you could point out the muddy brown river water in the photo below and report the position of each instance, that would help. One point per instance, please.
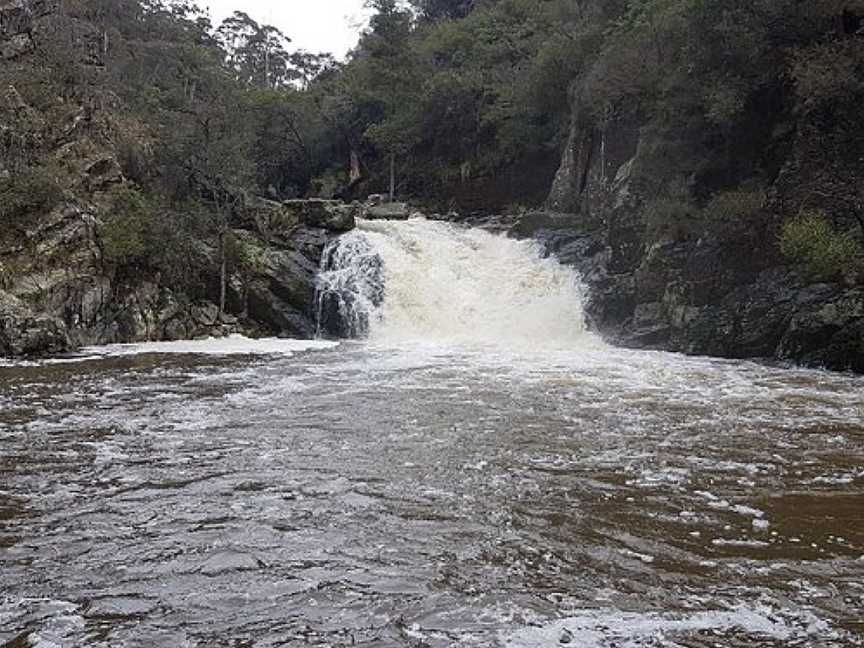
(429, 496)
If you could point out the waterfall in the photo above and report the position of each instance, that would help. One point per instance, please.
(429, 280)
(350, 286)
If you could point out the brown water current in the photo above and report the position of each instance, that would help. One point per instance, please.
(420, 495)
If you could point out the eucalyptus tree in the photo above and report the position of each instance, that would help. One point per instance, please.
(256, 53)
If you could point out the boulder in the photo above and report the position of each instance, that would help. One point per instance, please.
(387, 211)
(331, 215)
(828, 333)
(101, 172)
(24, 333)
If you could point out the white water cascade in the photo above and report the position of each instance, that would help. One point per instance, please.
(395, 281)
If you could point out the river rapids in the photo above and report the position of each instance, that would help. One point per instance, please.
(474, 469)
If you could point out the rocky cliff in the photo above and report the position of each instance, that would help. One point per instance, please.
(680, 277)
(59, 293)
(60, 161)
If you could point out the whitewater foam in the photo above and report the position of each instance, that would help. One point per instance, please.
(227, 346)
(599, 629)
(433, 281)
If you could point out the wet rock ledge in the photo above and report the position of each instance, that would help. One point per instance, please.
(57, 293)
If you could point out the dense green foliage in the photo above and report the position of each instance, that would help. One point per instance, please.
(32, 191)
(143, 236)
(131, 233)
(826, 253)
(450, 93)
(465, 90)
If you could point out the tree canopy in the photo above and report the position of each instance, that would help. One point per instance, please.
(453, 91)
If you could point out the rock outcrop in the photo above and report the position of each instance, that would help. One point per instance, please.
(24, 333)
(59, 288)
(333, 215)
(387, 211)
(58, 291)
(66, 295)
(720, 289)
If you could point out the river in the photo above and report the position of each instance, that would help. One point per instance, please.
(479, 471)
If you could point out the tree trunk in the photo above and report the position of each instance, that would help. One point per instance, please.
(392, 177)
(355, 174)
(223, 274)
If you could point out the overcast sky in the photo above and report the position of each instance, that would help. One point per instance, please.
(314, 25)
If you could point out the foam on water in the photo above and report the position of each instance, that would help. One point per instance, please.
(508, 481)
(226, 346)
(231, 345)
(602, 628)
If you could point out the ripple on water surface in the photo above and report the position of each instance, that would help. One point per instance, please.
(426, 496)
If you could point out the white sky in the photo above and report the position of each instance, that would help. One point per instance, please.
(313, 25)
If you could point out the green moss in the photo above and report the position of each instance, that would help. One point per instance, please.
(247, 258)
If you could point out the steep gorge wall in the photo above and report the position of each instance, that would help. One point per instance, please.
(720, 289)
(58, 288)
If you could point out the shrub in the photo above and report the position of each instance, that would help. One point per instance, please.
(26, 192)
(245, 257)
(130, 231)
(669, 216)
(827, 75)
(736, 204)
(672, 213)
(826, 253)
(141, 234)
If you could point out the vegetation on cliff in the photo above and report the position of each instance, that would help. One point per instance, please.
(447, 93)
(741, 113)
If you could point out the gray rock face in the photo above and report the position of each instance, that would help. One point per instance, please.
(64, 296)
(24, 333)
(281, 294)
(53, 312)
(25, 24)
(726, 294)
(829, 332)
(592, 160)
(18, 16)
